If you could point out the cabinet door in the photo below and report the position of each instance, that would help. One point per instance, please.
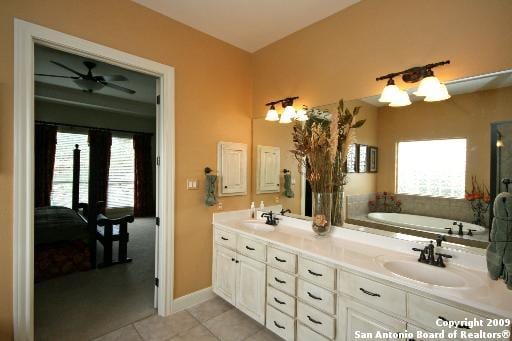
(268, 169)
(224, 273)
(250, 287)
(232, 163)
(359, 322)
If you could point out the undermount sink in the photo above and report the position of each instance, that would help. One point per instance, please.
(451, 277)
(257, 225)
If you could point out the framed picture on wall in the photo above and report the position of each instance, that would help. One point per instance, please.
(363, 158)
(352, 163)
(373, 153)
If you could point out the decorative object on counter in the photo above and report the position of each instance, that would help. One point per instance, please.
(430, 87)
(210, 181)
(480, 198)
(253, 211)
(373, 153)
(499, 251)
(321, 147)
(288, 192)
(363, 159)
(385, 202)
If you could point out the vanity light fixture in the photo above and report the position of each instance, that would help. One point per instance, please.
(430, 87)
(289, 112)
(499, 141)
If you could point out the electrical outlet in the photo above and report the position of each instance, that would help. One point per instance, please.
(219, 206)
(276, 199)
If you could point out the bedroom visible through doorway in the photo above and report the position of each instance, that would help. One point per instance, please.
(95, 233)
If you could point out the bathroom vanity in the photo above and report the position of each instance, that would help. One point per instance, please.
(352, 284)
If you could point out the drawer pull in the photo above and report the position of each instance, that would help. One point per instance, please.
(458, 326)
(280, 260)
(278, 325)
(279, 280)
(314, 273)
(369, 293)
(314, 297)
(224, 238)
(278, 301)
(313, 320)
(249, 248)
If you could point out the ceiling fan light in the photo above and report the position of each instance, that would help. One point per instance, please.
(401, 99)
(428, 86)
(88, 84)
(272, 114)
(440, 94)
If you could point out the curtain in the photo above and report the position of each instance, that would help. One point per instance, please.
(144, 201)
(45, 144)
(100, 143)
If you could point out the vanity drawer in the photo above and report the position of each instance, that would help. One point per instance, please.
(281, 280)
(376, 294)
(426, 312)
(306, 334)
(314, 295)
(316, 320)
(317, 273)
(281, 324)
(281, 301)
(225, 238)
(281, 259)
(254, 249)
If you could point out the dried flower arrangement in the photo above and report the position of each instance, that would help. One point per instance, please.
(479, 197)
(321, 147)
(385, 202)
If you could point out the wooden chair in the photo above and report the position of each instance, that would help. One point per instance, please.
(109, 231)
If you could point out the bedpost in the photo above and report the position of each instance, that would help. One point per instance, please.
(76, 178)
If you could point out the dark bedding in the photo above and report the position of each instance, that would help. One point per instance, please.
(56, 224)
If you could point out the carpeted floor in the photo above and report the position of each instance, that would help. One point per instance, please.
(84, 305)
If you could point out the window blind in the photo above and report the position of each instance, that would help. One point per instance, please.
(122, 173)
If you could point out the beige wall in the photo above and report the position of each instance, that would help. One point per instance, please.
(213, 99)
(464, 116)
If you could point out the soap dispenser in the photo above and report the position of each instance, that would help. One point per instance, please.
(253, 210)
(262, 206)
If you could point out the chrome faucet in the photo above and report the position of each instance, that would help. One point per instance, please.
(271, 218)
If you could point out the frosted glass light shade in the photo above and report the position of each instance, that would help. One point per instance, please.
(301, 115)
(389, 93)
(439, 95)
(272, 115)
(287, 115)
(401, 99)
(428, 86)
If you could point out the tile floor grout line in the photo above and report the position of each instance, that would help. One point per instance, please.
(126, 325)
(202, 324)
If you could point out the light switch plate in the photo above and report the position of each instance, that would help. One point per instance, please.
(192, 184)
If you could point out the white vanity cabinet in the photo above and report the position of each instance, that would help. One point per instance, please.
(237, 278)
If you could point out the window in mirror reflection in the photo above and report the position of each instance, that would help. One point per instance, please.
(432, 168)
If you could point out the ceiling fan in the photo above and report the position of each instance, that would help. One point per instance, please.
(89, 82)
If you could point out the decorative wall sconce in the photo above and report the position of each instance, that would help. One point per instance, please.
(289, 114)
(430, 87)
(499, 141)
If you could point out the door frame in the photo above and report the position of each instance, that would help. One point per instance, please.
(25, 36)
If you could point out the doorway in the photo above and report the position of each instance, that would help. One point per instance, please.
(27, 35)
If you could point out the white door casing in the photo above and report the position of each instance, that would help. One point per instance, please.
(25, 36)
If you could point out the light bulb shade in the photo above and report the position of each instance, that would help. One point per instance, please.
(88, 84)
(401, 99)
(287, 115)
(390, 92)
(499, 143)
(440, 94)
(302, 115)
(272, 115)
(428, 86)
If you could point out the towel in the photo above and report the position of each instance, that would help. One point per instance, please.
(210, 199)
(288, 186)
(499, 251)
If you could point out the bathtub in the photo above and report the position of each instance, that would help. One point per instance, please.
(423, 223)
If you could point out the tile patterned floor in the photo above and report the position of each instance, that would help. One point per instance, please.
(212, 320)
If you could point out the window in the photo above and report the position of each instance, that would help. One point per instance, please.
(62, 187)
(121, 173)
(434, 168)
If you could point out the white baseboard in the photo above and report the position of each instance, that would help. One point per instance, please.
(192, 299)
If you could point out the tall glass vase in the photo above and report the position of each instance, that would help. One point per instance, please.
(337, 216)
(322, 203)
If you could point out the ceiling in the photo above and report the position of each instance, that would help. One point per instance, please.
(144, 85)
(247, 24)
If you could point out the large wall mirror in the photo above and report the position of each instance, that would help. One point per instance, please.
(426, 169)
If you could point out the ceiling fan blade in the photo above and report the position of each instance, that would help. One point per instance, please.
(57, 76)
(120, 88)
(112, 78)
(67, 68)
